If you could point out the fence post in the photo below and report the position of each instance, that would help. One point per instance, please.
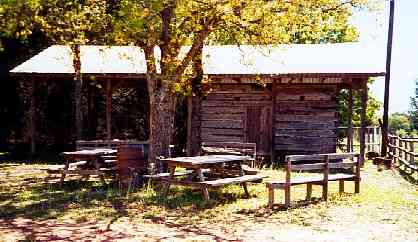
(390, 142)
(375, 143)
(412, 154)
(395, 149)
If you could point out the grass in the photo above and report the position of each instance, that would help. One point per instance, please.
(385, 199)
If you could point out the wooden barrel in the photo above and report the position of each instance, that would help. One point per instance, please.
(132, 156)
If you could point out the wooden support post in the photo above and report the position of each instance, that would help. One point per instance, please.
(364, 92)
(288, 183)
(350, 121)
(32, 118)
(273, 115)
(325, 182)
(385, 125)
(109, 109)
(189, 125)
(77, 92)
(358, 178)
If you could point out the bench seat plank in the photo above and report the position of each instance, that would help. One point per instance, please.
(307, 180)
(341, 176)
(295, 181)
(74, 172)
(233, 180)
(321, 166)
(166, 174)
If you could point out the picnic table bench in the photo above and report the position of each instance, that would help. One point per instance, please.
(85, 163)
(321, 162)
(209, 171)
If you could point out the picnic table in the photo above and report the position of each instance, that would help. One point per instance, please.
(85, 163)
(209, 171)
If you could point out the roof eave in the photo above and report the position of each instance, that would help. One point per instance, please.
(353, 75)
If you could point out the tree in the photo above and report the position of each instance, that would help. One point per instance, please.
(400, 124)
(414, 108)
(171, 24)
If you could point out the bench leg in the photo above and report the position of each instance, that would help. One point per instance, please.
(247, 194)
(357, 186)
(271, 197)
(172, 170)
(205, 193)
(308, 191)
(341, 186)
(205, 190)
(67, 165)
(325, 191)
(287, 197)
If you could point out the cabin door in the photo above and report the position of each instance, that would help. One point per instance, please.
(258, 127)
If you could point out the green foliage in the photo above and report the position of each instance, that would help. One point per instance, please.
(373, 105)
(65, 22)
(414, 108)
(400, 124)
(316, 21)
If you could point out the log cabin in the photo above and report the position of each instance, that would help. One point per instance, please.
(284, 98)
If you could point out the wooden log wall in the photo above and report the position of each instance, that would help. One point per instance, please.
(306, 120)
(224, 112)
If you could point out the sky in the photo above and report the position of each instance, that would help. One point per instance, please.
(373, 26)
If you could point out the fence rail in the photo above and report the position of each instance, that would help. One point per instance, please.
(402, 151)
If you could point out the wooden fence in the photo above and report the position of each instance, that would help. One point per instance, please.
(373, 139)
(403, 152)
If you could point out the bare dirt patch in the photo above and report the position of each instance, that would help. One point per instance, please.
(32, 210)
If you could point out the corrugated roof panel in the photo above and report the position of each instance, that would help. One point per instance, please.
(220, 60)
(294, 59)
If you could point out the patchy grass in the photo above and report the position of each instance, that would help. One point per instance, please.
(32, 209)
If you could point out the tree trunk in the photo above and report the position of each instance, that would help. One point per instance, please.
(161, 125)
(162, 110)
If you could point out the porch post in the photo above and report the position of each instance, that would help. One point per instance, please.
(77, 92)
(108, 109)
(189, 124)
(273, 115)
(32, 119)
(364, 92)
(350, 121)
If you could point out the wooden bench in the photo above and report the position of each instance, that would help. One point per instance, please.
(320, 162)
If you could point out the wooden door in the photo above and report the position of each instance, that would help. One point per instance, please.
(258, 127)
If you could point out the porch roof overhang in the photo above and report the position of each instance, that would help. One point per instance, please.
(352, 60)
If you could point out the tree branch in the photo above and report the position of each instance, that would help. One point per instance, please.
(197, 44)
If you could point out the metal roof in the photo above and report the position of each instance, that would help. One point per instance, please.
(344, 58)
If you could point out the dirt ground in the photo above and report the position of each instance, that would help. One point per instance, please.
(385, 210)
